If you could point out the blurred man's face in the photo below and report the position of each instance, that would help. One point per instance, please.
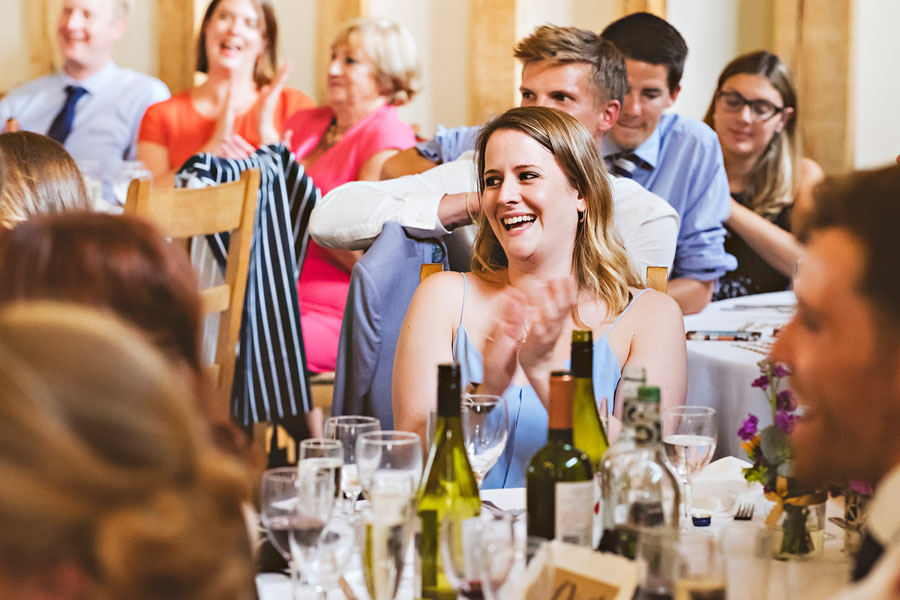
(567, 87)
(87, 31)
(844, 377)
(644, 103)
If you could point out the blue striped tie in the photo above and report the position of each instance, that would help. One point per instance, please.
(623, 164)
(62, 124)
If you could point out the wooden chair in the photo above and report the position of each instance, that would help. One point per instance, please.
(658, 279)
(184, 213)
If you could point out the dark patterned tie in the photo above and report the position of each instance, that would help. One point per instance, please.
(62, 124)
(869, 553)
(623, 164)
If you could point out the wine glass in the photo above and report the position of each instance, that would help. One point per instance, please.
(689, 435)
(389, 520)
(389, 460)
(345, 429)
(278, 502)
(485, 429)
(324, 454)
(316, 488)
(477, 553)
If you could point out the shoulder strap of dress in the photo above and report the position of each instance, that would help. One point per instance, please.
(633, 300)
(462, 309)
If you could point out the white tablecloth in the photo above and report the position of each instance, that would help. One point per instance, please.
(720, 372)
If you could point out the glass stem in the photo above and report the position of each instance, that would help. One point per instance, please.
(295, 577)
(688, 501)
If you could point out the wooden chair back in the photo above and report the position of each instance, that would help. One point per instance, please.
(658, 279)
(184, 213)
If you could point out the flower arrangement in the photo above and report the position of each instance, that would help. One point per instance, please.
(770, 451)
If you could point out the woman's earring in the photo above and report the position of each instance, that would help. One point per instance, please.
(581, 216)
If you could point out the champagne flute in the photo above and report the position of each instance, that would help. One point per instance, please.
(478, 553)
(278, 501)
(314, 502)
(485, 430)
(346, 429)
(324, 454)
(389, 520)
(689, 435)
(394, 456)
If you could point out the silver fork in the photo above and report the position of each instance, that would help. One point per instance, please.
(744, 512)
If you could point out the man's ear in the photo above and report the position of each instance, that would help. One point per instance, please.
(673, 94)
(610, 115)
(119, 26)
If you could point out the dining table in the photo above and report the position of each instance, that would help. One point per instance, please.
(719, 488)
(720, 372)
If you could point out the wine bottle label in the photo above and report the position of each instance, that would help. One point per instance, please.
(574, 521)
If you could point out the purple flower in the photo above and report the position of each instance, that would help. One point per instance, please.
(784, 421)
(748, 429)
(780, 370)
(784, 400)
(761, 382)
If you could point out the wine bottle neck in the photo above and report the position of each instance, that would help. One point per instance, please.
(449, 403)
(560, 436)
(582, 360)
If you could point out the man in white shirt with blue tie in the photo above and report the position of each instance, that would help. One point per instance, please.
(92, 106)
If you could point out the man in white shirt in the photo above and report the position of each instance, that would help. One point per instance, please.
(93, 107)
(567, 68)
(843, 346)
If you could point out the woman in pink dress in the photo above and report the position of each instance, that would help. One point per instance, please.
(373, 70)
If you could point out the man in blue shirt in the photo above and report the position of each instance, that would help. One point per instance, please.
(670, 155)
(91, 106)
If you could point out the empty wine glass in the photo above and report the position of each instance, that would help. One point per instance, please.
(477, 553)
(278, 502)
(346, 429)
(314, 503)
(485, 429)
(389, 459)
(689, 435)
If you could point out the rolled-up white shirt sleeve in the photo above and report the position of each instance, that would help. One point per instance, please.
(352, 215)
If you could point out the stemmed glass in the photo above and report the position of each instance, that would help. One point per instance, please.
(389, 460)
(477, 553)
(323, 454)
(315, 496)
(485, 429)
(346, 429)
(389, 520)
(689, 435)
(278, 503)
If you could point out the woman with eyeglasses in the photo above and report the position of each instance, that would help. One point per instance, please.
(754, 112)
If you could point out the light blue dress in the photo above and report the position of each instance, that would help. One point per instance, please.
(527, 415)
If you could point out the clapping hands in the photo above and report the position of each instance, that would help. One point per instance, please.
(525, 335)
(224, 141)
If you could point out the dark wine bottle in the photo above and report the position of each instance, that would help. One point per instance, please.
(559, 486)
(448, 489)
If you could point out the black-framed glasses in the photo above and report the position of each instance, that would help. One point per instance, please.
(762, 110)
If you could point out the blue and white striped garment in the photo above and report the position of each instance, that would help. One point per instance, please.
(270, 378)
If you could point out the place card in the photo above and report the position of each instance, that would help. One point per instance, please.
(560, 571)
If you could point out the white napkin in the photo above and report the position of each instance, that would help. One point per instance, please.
(720, 484)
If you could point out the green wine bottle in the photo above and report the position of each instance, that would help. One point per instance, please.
(587, 430)
(559, 486)
(448, 488)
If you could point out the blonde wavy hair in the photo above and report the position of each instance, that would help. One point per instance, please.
(392, 50)
(104, 465)
(775, 178)
(600, 263)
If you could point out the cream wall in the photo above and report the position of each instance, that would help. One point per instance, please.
(715, 30)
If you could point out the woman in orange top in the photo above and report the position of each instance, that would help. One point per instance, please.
(243, 102)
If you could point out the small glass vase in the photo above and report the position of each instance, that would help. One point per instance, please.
(802, 531)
